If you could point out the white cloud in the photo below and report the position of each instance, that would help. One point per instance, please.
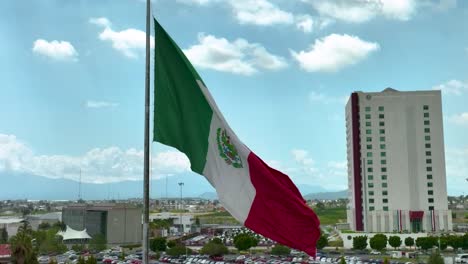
(457, 169)
(334, 52)
(358, 11)
(460, 119)
(98, 165)
(57, 50)
(454, 87)
(327, 99)
(99, 104)
(130, 42)
(196, 2)
(259, 12)
(239, 56)
(302, 157)
(304, 23)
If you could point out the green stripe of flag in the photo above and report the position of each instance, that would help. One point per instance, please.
(182, 115)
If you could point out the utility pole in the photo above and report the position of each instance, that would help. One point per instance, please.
(181, 184)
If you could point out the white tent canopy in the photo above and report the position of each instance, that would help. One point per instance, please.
(72, 234)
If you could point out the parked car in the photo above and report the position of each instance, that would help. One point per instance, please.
(461, 258)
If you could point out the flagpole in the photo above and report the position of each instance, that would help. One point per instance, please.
(146, 170)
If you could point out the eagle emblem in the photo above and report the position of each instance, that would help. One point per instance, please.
(227, 150)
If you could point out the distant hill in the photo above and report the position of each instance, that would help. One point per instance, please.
(327, 195)
(209, 195)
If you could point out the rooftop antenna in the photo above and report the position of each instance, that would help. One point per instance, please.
(79, 188)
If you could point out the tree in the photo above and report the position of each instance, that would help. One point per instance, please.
(322, 241)
(60, 225)
(425, 243)
(21, 247)
(409, 241)
(244, 241)
(280, 250)
(214, 248)
(386, 261)
(158, 244)
(342, 260)
(81, 260)
(178, 250)
(44, 225)
(3, 235)
(360, 242)
(171, 244)
(98, 242)
(394, 241)
(91, 260)
(455, 242)
(435, 258)
(52, 261)
(378, 242)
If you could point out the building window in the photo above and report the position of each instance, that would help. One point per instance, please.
(384, 185)
(429, 176)
(369, 169)
(385, 193)
(368, 131)
(381, 108)
(428, 168)
(428, 161)
(369, 162)
(371, 208)
(381, 123)
(371, 193)
(368, 139)
(367, 108)
(383, 162)
(427, 130)
(428, 145)
(427, 137)
(382, 131)
(430, 200)
(369, 154)
(369, 146)
(383, 154)
(382, 146)
(431, 208)
(429, 184)
(367, 116)
(370, 177)
(426, 122)
(370, 185)
(428, 153)
(426, 114)
(381, 116)
(382, 138)
(384, 177)
(426, 107)
(368, 123)
(371, 200)
(385, 200)
(383, 169)
(430, 192)
(385, 208)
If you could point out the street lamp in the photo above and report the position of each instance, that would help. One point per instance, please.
(181, 184)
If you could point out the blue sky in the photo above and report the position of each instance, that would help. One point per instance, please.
(73, 79)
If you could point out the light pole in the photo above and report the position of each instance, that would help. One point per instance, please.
(181, 184)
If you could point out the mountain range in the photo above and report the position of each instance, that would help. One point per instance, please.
(33, 187)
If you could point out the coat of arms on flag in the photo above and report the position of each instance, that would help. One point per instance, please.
(227, 150)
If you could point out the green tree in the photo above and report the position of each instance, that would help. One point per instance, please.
(52, 261)
(81, 260)
(322, 241)
(158, 244)
(44, 225)
(3, 235)
(394, 241)
(465, 241)
(409, 241)
(22, 248)
(342, 260)
(91, 260)
(386, 261)
(435, 258)
(60, 225)
(78, 248)
(98, 243)
(360, 242)
(244, 241)
(455, 241)
(425, 243)
(214, 248)
(280, 250)
(171, 244)
(378, 242)
(47, 241)
(178, 250)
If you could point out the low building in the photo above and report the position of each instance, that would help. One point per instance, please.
(181, 223)
(120, 224)
(5, 253)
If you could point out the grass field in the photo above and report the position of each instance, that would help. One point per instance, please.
(330, 216)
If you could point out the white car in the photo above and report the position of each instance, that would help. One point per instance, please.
(375, 252)
(461, 258)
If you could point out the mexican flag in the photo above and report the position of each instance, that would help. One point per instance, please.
(186, 117)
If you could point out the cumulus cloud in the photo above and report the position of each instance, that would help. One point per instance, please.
(98, 165)
(452, 87)
(460, 119)
(334, 52)
(327, 99)
(57, 50)
(358, 11)
(130, 42)
(259, 12)
(99, 104)
(239, 56)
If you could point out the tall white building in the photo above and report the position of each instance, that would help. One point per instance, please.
(396, 162)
